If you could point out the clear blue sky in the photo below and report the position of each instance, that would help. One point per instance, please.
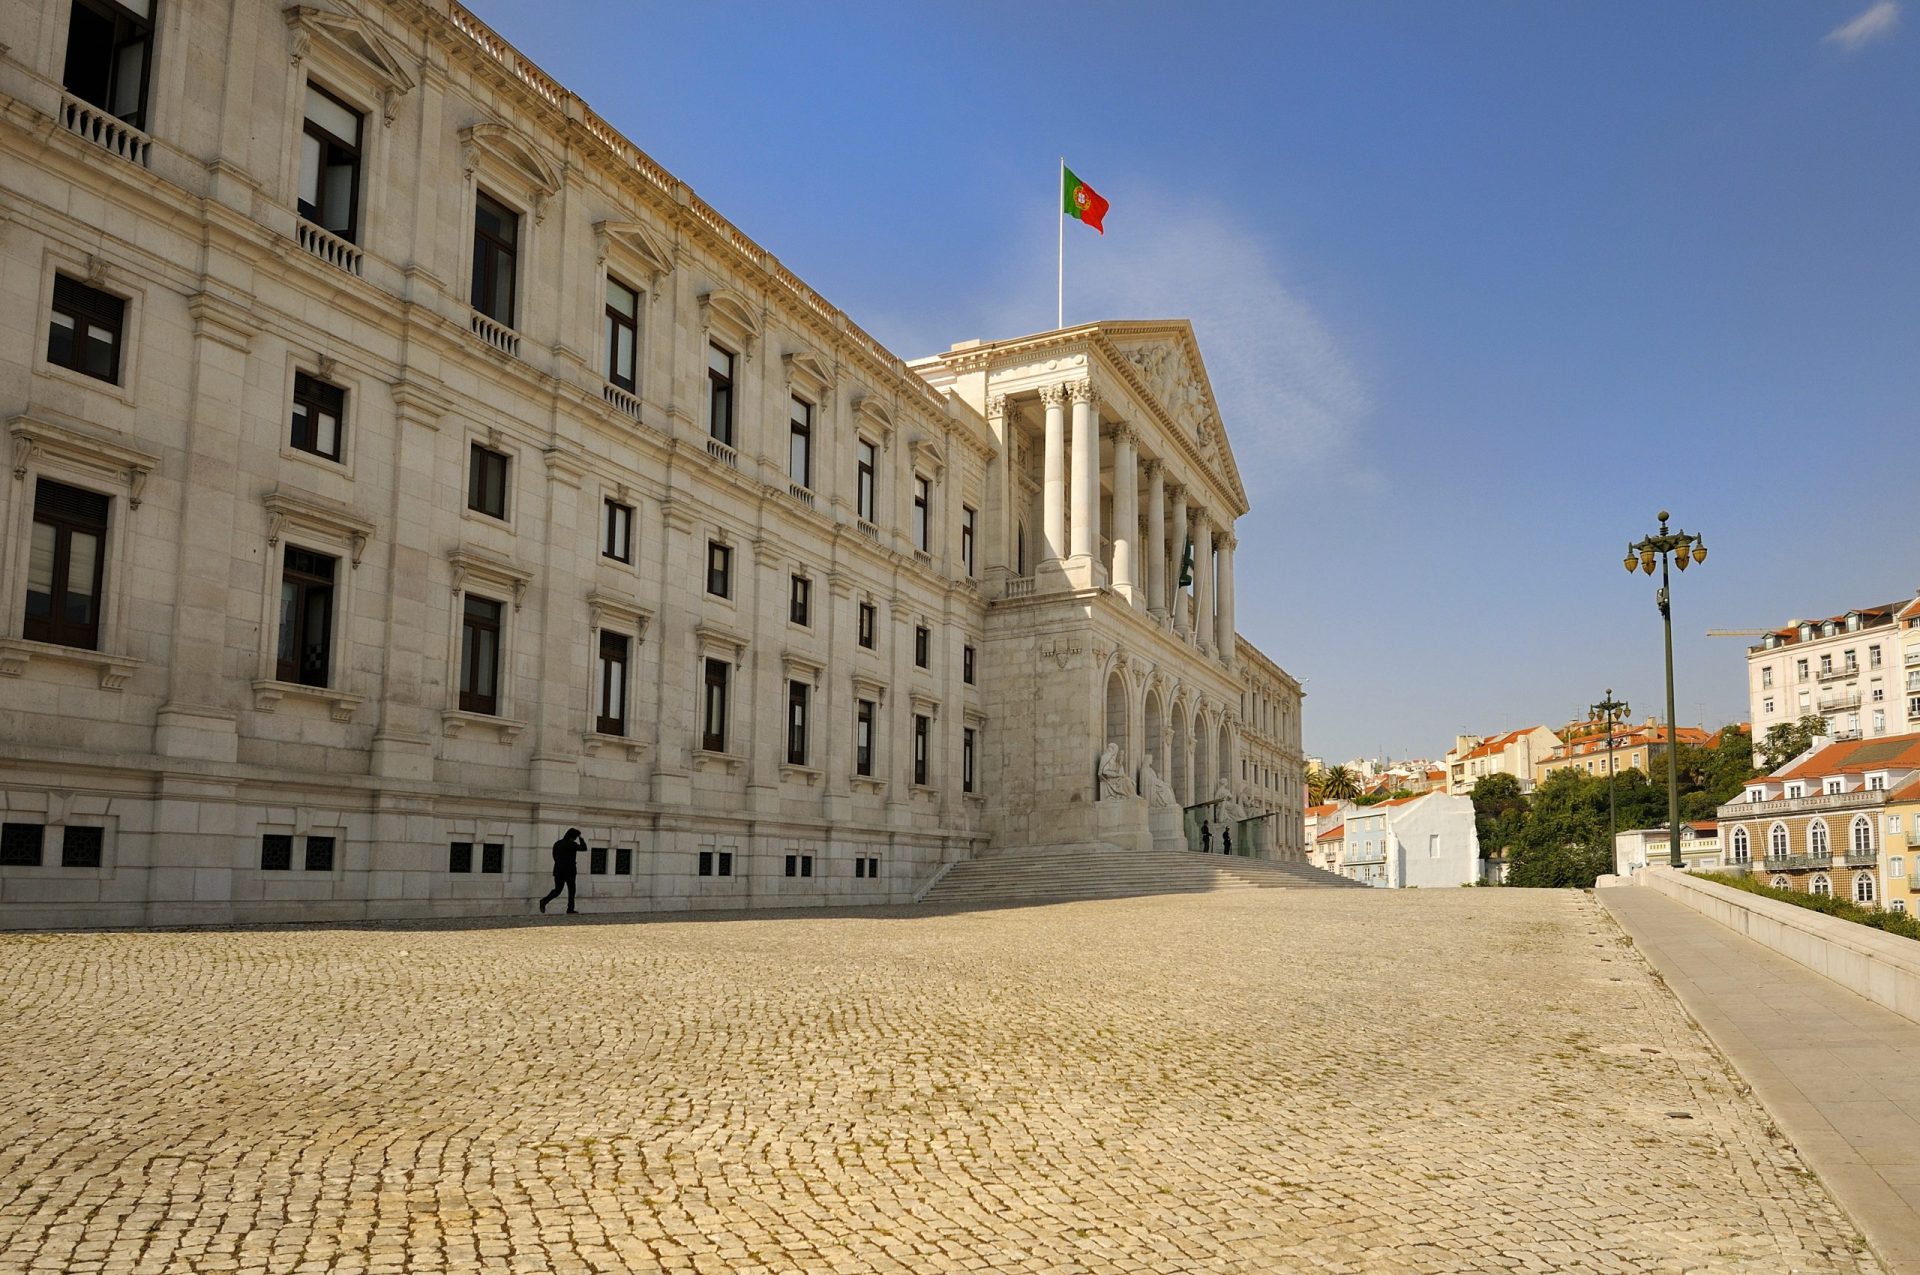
(1482, 287)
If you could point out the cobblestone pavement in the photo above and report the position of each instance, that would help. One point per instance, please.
(1265, 1080)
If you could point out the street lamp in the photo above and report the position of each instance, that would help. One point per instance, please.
(1614, 710)
(1643, 554)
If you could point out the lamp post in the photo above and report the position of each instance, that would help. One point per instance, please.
(1614, 710)
(1644, 553)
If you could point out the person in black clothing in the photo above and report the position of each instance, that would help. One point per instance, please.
(1226, 839)
(565, 867)
(1206, 838)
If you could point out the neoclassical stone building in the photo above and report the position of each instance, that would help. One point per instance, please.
(402, 467)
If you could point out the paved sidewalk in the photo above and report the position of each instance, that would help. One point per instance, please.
(1838, 1073)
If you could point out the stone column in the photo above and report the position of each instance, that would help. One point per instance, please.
(1156, 548)
(1203, 628)
(1084, 527)
(993, 546)
(1053, 492)
(1176, 601)
(1126, 516)
(1226, 597)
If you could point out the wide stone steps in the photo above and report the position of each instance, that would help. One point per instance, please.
(1082, 873)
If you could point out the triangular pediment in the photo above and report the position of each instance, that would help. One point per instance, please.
(352, 37)
(638, 241)
(1163, 362)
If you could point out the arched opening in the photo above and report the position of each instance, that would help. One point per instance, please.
(1223, 761)
(1742, 848)
(1817, 839)
(1202, 760)
(1821, 885)
(1862, 835)
(1863, 887)
(1780, 882)
(1179, 778)
(1777, 841)
(1117, 715)
(1151, 738)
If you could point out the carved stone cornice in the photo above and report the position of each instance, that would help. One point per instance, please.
(92, 448)
(298, 509)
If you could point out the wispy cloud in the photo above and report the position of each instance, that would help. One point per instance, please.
(1292, 399)
(1876, 23)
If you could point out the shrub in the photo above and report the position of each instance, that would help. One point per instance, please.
(1906, 926)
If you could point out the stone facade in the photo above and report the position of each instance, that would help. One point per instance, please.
(455, 475)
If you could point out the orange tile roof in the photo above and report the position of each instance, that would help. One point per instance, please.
(1331, 833)
(1325, 809)
(1500, 744)
(1856, 756)
(1791, 632)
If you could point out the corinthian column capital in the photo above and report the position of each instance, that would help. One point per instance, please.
(1054, 395)
(1080, 391)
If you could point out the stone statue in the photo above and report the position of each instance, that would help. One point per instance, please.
(1157, 791)
(1226, 807)
(1113, 776)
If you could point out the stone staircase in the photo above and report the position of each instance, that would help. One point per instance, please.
(1077, 872)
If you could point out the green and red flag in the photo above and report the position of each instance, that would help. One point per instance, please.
(1079, 200)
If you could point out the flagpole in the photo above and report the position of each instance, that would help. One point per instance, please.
(1060, 297)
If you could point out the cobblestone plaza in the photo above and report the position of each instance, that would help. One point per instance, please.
(1482, 1080)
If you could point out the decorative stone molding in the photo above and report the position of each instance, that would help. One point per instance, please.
(923, 704)
(515, 153)
(805, 371)
(605, 607)
(1054, 395)
(564, 466)
(636, 240)
(268, 692)
(92, 449)
(286, 508)
(711, 636)
(731, 315)
(870, 415)
(927, 452)
(996, 407)
(800, 667)
(355, 40)
(455, 720)
(707, 759)
(865, 687)
(1081, 391)
(594, 741)
(114, 670)
(472, 564)
(223, 320)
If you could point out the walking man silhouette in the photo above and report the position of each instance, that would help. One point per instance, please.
(1226, 839)
(566, 868)
(1206, 838)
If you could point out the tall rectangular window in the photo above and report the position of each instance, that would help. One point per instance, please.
(487, 481)
(800, 600)
(966, 665)
(720, 395)
(863, 714)
(496, 248)
(922, 742)
(610, 687)
(480, 655)
(719, 569)
(85, 329)
(864, 482)
(797, 695)
(317, 411)
(966, 759)
(800, 442)
(109, 50)
(66, 565)
(330, 164)
(866, 625)
(921, 641)
(713, 717)
(616, 539)
(968, 520)
(306, 617)
(922, 513)
(622, 334)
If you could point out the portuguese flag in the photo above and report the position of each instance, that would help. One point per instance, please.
(1077, 199)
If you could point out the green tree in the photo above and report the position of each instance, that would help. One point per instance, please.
(1787, 740)
(1499, 810)
(1563, 841)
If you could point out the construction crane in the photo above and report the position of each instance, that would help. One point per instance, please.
(1738, 632)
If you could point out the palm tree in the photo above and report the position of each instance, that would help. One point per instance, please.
(1316, 787)
(1339, 784)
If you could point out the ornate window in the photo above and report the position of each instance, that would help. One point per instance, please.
(1820, 885)
(1863, 887)
(1862, 835)
(1777, 841)
(1742, 848)
(1817, 843)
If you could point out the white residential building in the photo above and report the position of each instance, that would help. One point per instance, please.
(1849, 668)
(1427, 841)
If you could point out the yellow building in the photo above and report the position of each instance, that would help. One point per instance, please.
(1634, 748)
(1838, 822)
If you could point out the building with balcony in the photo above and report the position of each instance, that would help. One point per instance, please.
(1829, 821)
(1848, 668)
(1516, 753)
(404, 468)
